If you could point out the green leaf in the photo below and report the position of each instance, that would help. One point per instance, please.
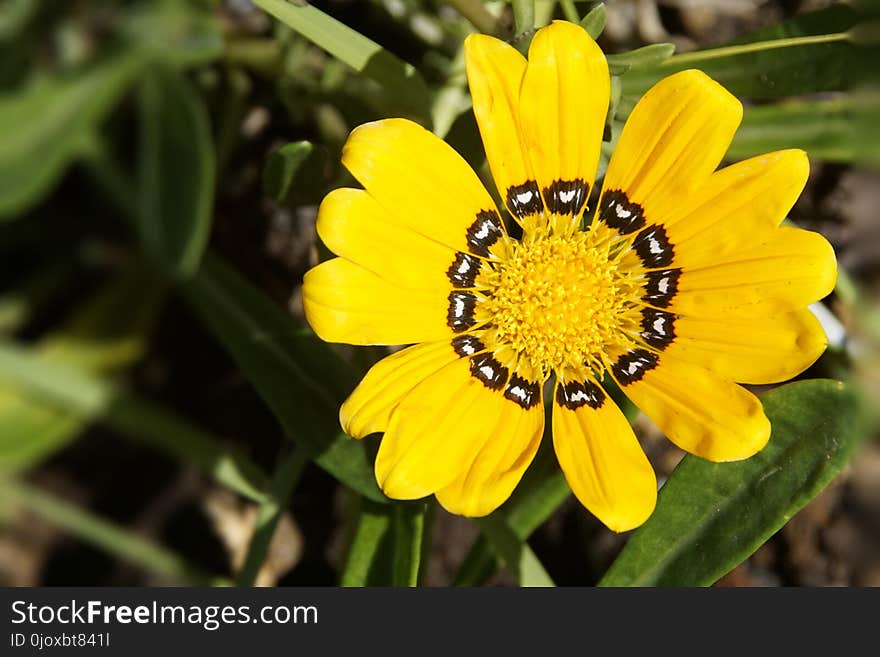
(62, 399)
(176, 171)
(712, 516)
(284, 481)
(300, 378)
(807, 54)
(836, 129)
(104, 535)
(514, 552)
(400, 80)
(43, 126)
(299, 161)
(105, 337)
(594, 22)
(640, 58)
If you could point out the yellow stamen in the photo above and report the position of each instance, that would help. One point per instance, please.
(560, 302)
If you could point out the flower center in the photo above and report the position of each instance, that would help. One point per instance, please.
(560, 302)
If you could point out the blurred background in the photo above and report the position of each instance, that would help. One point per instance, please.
(160, 167)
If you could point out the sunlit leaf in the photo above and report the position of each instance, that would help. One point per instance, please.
(712, 516)
(400, 80)
(594, 22)
(298, 162)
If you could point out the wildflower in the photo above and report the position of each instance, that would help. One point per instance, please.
(678, 285)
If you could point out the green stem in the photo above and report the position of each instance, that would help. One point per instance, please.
(760, 46)
(105, 535)
(284, 482)
(477, 15)
(409, 526)
(570, 11)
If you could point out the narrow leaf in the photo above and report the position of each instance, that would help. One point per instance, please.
(594, 22)
(644, 57)
(299, 377)
(63, 399)
(176, 171)
(284, 482)
(43, 126)
(105, 535)
(836, 130)
(399, 79)
(712, 516)
(105, 336)
(514, 552)
(806, 54)
(299, 161)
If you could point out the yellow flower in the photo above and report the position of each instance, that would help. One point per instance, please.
(680, 284)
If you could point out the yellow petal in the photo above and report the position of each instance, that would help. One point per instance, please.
(439, 428)
(697, 410)
(494, 71)
(353, 225)
(423, 184)
(757, 351)
(673, 140)
(738, 206)
(563, 105)
(601, 457)
(368, 409)
(496, 469)
(344, 302)
(790, 271)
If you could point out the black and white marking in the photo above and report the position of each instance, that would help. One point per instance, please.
(654, 247)
(661, 287)
(460, 313)
(489, 371)
(524, 200)
(658, 328)
(617, 211)
(566, 196)
(523, 392)
(463, 270)
(467, 345)
(632, 365)
(484, 232)
(574, 394)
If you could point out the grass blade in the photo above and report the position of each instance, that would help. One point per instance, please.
(399, 79)
(105, 535)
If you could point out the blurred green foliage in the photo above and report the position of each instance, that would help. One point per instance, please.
(128, 136)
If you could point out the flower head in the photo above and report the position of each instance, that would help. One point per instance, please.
(679, 284)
